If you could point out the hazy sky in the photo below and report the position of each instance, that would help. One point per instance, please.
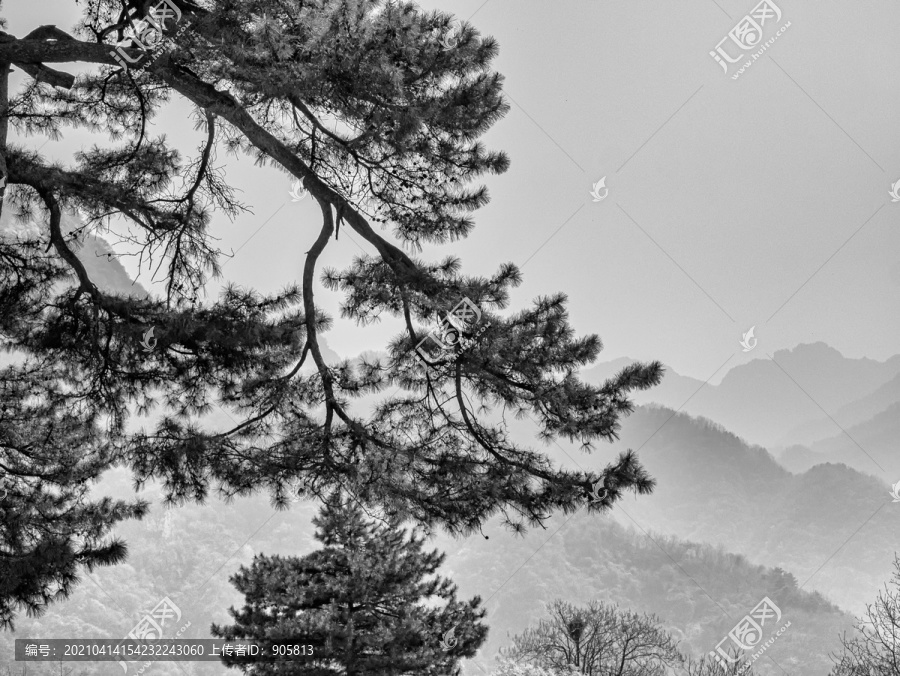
(727, 198)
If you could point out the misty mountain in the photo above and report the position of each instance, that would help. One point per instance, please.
(667, 553)
(662, 553)
(92, 250)
(870, 447)
(699, 591)
(674, 390)
(798, 458)
(186, 554)
(763, 400)
(847, 416)
(832, 526)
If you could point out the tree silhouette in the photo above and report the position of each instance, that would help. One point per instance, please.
(359, 603)
(709, 666)
(364, 104)
(510, 668)
(874, 649)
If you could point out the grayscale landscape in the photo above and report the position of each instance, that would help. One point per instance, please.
(267, 345)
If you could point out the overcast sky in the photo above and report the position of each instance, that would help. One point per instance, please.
(732, 203)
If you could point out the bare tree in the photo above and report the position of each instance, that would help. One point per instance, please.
(510, 668)
(708, 666)
(598, 639)
(875, 649)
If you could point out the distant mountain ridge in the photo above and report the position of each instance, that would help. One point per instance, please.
(713, 487)
(872, 446)
(847, 416)
(762, 401)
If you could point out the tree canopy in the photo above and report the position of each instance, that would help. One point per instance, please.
(597, 640)
(378, 113)
(364, 604)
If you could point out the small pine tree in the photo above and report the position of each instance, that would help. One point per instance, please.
(359, 602)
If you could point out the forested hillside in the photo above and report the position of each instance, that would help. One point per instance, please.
(188, 553)
(833, 527)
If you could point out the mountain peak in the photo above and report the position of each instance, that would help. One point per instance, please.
(818, 350)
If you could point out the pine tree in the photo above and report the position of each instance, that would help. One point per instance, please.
(376, 110)
(48, 460)
(365, 603)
